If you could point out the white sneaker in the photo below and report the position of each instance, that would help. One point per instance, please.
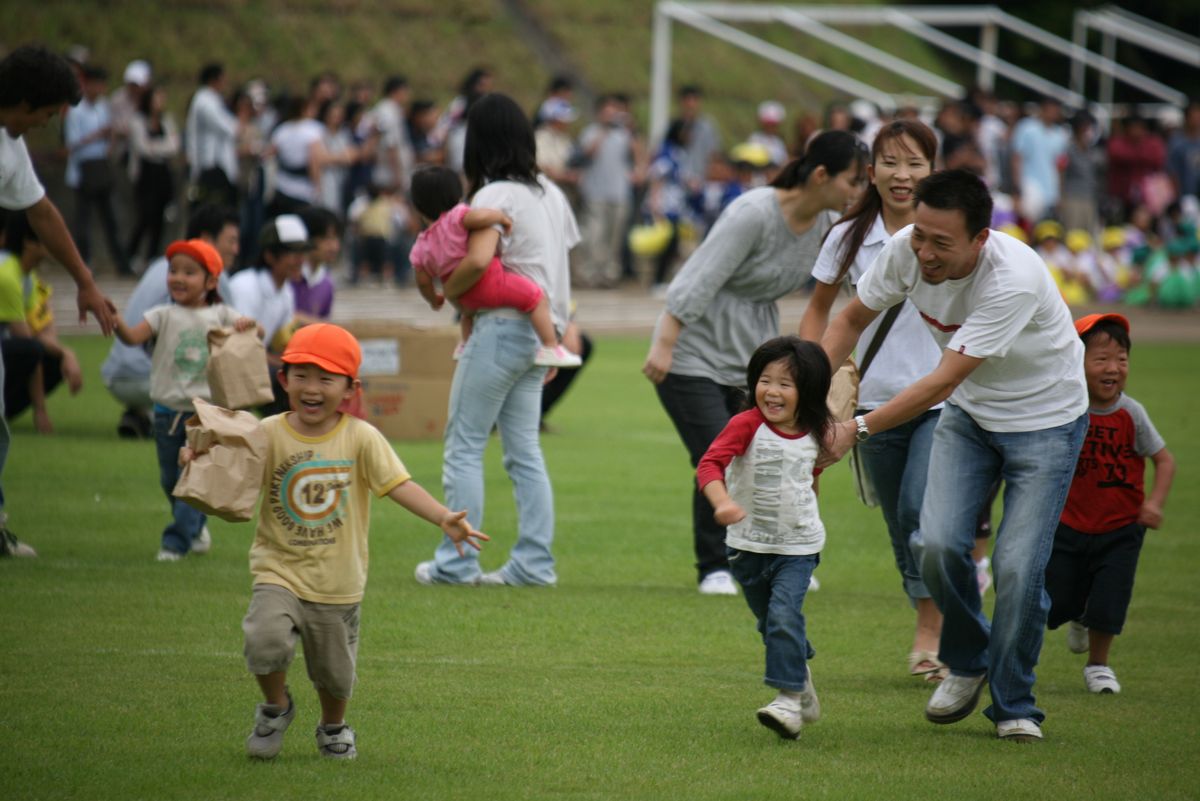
(1101, 679)
(782, 716)
(810, 705)
(813, 584)
(336, 742)
(557, 356)
(1077, 637)
(718, 582)
(168, 556)
(1024, 730)
(266, 739)
(954, 699)
(424, 573)
(495, 578)
(203, 543)
(458, 351)
(983, 575)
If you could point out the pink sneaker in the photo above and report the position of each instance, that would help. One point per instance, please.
(557, 356)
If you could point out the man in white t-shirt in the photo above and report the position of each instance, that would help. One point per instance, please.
(36, 84)
(1011, 374)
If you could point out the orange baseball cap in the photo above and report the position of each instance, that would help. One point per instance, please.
(204, 254)
(328, 346)
(1085, 324)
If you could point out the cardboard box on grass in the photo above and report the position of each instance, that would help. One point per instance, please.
(406, 374)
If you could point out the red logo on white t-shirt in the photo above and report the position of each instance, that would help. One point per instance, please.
(948, 329)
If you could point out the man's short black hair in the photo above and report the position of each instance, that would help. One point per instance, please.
(33, 75)
(393, 83)
(210, 219)
(958, 190)
(211, 72)
(320, 221)
(94, 72)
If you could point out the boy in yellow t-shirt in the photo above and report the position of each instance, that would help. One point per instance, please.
(309, 557)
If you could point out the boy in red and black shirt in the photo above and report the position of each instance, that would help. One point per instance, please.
(1090, 573)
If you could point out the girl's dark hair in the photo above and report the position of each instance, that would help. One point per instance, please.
(810, 370)
(836, 151)
(499, 144)
(33, 75)
(862, 216)
(146, 101)
(436, 190)
(678, 133)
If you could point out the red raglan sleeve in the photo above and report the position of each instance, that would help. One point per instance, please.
(731, 442)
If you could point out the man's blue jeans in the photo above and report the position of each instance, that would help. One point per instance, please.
(775, 586)
(497, 384)
(897, 462)
(1037, 467)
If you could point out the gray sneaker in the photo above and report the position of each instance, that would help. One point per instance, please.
(1077, 637)
(11, 546)
(203, 542)
(336, 742)
(810, 706)
(270, 722)
(954, 699)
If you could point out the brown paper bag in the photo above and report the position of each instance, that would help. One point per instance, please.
(237, 369)
(843, 392)
(226, 474)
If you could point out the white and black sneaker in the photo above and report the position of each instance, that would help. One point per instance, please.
(11, 546)
(336, 742)
(270, 722)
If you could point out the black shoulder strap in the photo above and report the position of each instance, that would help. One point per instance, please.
(877, 340)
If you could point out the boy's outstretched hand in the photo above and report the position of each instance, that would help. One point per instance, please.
(459, 531)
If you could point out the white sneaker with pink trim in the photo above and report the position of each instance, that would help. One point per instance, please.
(557, 356)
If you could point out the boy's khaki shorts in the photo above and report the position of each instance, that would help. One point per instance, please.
(329, 633)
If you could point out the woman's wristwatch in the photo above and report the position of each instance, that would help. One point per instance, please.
(863, 433)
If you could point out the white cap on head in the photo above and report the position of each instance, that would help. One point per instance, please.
(771, 111)
(138, 72)
(285, 232)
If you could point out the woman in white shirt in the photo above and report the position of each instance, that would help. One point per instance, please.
(897, 460)
(496, 382)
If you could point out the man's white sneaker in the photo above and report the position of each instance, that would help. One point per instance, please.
(1077, 637)
(557, 356)
(270, 722)
(954, 699)
(424, 574)
(203, 543)
(494, 578)
(1101, 679)
(718, 582)
(813, 584)
(1024, 730)
(458, 351)
(11, 546)
(782, 716)
(336, 742)
(168, 556)
(810, 705)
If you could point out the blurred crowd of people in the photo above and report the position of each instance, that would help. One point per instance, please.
(351, 149)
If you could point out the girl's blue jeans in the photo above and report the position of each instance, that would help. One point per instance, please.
(774, 586)
(186, 522)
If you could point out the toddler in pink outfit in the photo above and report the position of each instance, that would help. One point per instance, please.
(437, 196)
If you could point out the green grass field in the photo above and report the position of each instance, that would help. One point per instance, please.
(122, 678)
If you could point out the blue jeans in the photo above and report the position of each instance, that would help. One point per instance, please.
(169, 436)
(497, 384)
(1037, 467)
(897, 462)
(774, 586)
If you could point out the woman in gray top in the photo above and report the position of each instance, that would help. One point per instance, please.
(721, 307)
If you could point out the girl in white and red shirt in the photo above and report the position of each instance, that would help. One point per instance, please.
(758, 475)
